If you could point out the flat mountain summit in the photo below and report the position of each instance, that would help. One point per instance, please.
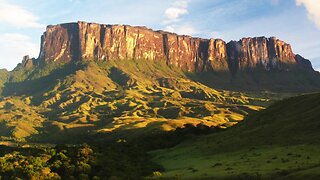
(91, 41)
(257, 63)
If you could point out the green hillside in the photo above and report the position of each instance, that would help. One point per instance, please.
(125, 109)
(57, 102)
(3, 77)
(281, 141)
(278, 142)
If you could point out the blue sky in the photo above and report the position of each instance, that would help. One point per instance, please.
(297, 22)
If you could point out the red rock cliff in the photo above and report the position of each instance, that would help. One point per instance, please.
(266, 53)
(90, 41)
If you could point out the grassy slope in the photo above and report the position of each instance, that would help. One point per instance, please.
(251, 80)
(281, 141)
(78, 99)
(3, 77)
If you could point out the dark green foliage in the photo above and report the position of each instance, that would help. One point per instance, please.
(124, 159)
(162, 140)
(112, 159)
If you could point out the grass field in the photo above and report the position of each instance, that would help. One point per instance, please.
(255, 162)
(282, 141)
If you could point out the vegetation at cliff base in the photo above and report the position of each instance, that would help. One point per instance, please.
(58, 102)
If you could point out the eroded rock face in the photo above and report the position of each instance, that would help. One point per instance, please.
(90, 41)
(260, 52)
(60, 43)
(28, 62)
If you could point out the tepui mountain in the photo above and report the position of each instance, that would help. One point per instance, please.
(90, 41)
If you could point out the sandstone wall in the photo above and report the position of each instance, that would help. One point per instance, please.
(90, 41)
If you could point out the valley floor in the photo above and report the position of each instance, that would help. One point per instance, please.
(286, 162)
(279, 142)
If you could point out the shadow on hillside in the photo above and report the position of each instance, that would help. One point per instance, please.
(34, 86)
(121, 78)
(25, 151)
(149, 138)
(253, 81)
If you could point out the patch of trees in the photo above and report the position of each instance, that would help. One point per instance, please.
(77, 162)
(117, 158)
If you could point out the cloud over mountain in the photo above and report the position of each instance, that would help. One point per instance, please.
(18, 16)
(313, 8)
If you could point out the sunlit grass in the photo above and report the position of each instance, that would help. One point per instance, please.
(121, 95)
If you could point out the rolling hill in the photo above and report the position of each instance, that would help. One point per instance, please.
(55, 101)
(281, 141)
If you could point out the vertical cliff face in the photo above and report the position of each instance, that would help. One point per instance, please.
(90, 41)
(217, 55)
(261, 52)
(60, 43)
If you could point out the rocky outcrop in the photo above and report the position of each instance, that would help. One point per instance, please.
(28, 62)
(90, 41)
(60, 43)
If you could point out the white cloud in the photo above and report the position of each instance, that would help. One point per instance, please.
(17, 16)
(177, 9)
(14, 47)
(185, 29)
(313, 8)
(174, 16)
(174, 13)
(169, 28)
